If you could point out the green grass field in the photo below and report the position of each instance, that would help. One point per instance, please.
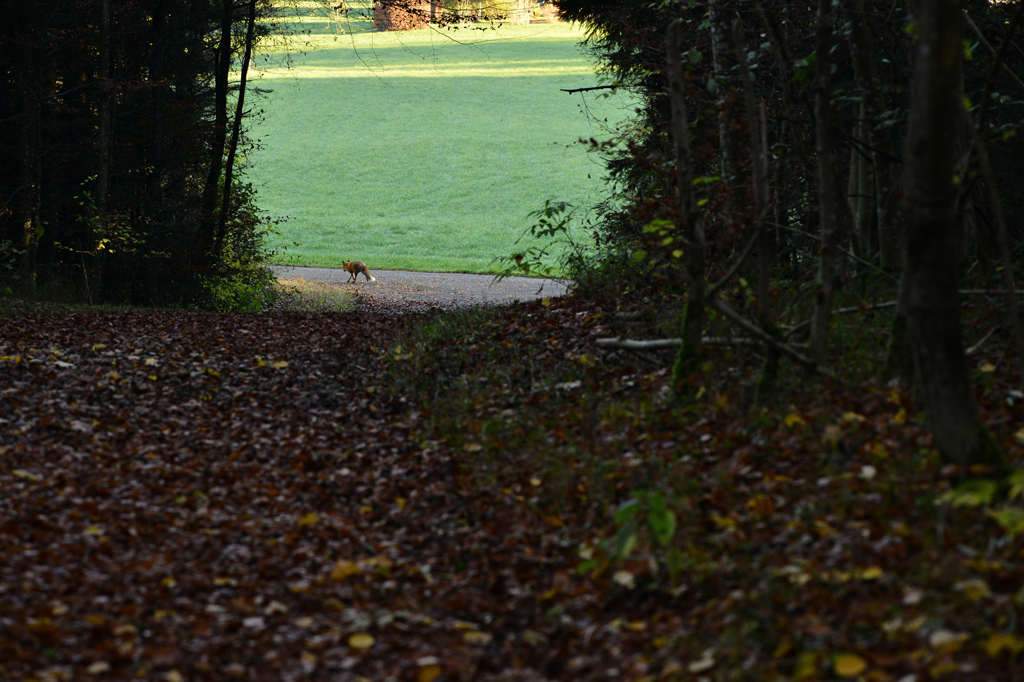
(424, 150)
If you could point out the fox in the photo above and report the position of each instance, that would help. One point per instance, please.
(354, 267)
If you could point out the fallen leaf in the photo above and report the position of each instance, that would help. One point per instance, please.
(361, 641)
(849, 665)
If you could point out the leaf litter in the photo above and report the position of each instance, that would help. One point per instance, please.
(370, 496)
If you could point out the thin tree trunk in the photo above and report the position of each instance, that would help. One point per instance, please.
(28, 155)
(103, 160)
(236, 129)
(693, 226)
(828, 184)
(725, 64)
(931, 255)
(222, 70)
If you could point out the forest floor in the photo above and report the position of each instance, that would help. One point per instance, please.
(477, 494)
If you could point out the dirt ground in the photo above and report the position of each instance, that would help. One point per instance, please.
(433, 289)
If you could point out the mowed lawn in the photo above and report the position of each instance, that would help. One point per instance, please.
(425, 150)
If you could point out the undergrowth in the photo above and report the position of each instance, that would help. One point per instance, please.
(818, 537)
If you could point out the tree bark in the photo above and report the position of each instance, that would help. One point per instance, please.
(222, 70)
(724, 63)
(828, 183)
(693, 226)
(931, 255)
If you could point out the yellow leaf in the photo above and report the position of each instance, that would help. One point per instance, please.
(761, 506)
(792, 420)
(309, 519)
(871, 573)
(546, 301)
(535, 481)
(476, 637)
(174, 676)
(259, 362)
(361, 641)
(344, 568)
(999, 642)
(96, 619)
(212, 372)
(114, 375)
(944, 668)
(152, 361)
(428, 673)
(168, 582)
(25, 473)
(849, 665)
(280, 364)
(988, 368)
(400, 501)
(853, 417)
(93, 530)
(98, 346)
(900, 417)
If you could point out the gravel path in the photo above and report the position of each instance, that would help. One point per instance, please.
(441, 289)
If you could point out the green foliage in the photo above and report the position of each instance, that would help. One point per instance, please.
(553, 250)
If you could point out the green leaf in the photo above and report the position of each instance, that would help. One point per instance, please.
(695, 56)
(663, 523)
(1016, 481)
(627, 510)
(1010, 518)
(625, 540)
(971, 494)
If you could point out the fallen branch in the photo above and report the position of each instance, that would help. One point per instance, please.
(723, 309)
(659, 344)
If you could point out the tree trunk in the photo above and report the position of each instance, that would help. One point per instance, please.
(236, 129)
(693, 227)
(222, 70)
(28, 156)
(931, 255)
(724, 62)
(828, 184)
(103, 155)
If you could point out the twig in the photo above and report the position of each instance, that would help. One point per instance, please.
(843, 311)
(752, 329)
(596, 87)
(1000, 54)
(976, 347)
(713, 291)
(844, 251)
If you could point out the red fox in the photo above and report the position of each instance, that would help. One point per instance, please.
(354, 267)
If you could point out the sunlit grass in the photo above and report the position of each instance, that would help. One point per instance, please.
(424, 149)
